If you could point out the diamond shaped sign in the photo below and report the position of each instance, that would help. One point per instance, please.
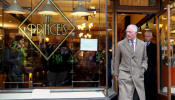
(23, 32)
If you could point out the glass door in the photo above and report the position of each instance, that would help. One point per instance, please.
(164, 80)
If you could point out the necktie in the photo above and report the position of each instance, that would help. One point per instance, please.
(147, 44)
(132, 45)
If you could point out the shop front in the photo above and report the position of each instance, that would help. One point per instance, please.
(56, 45)
(166, 62)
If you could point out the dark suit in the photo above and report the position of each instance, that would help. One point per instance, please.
(150, 75)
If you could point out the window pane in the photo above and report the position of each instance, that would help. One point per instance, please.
(50, 55)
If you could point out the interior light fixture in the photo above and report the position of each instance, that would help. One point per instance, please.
(140, 30)
(48, 9)
(122, 13)
(109, 27)
(1, 37)
(79, 27)
(154, 22)
(14, 8)
(82, 26)
(171, 40)
(80, 10)
(146, 27)
(160, 26)
(80, 35)
(92, 7)
(94, 11)
(90, 25)
(110, 50)
(47, 39)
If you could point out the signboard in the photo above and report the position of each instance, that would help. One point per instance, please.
(88, 44)
(46, 29)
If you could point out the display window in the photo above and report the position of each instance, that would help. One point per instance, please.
(52, 44)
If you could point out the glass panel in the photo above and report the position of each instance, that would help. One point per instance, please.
(51, 54)
(110, 31)
(163, 53)
(1, 49)
(14, 55)
(172, 41)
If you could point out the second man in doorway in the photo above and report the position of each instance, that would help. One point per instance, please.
(150, 75)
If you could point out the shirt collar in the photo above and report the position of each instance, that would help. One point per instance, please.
(132, 41)
(147, 42)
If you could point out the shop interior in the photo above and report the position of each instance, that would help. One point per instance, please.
(90, 26)
(86, 67)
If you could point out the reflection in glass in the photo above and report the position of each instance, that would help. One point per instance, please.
(163, 53)
(52, 58)
(172, 45)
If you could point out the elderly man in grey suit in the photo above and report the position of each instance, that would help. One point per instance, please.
(130, 65)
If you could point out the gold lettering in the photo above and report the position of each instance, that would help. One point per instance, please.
(58, 28)
(39, 32)
(64, 29)
(47, 29)
(51, 29)
(44, 29)
(31, 28)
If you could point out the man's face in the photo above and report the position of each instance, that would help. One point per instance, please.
(148, 37)
(130, 35)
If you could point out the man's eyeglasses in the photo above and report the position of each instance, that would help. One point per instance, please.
(129, 31)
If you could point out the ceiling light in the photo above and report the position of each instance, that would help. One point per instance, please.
(109, 27)
(80, 10)
(1, 37)
(47, 39)
(90, 25)
(160, 26)
(140, 30)
(171, 40)
(122, 13)
(48, 9)
(146, 27)
(14, 8)
(92, 7)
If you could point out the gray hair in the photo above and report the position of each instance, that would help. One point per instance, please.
(149, 32)
(134, 27)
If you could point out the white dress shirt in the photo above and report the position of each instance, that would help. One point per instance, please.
(147, 43)
(134, 42)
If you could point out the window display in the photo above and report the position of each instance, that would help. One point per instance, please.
(40, 45)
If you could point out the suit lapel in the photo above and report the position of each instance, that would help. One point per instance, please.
(138, 44)
(127, 45)
(149, 46)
